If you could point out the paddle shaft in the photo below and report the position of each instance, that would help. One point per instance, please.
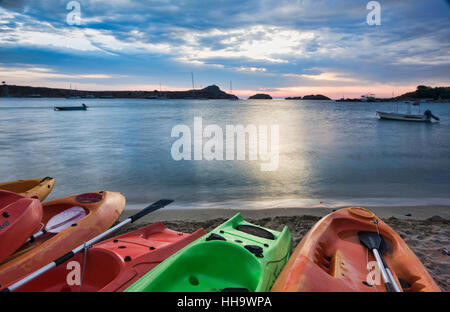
(387, 283)
(155, 206)
(381, 250)
(36, 235)
(390, 275)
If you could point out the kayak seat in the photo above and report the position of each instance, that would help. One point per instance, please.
(209, 266)
(255, 231)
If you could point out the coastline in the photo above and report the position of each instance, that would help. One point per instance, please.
(201, 214)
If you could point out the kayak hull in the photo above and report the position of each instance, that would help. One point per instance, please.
(20, 217)
(102, 208)
(226, 259)
(39, 187)
(330, 258)
(114, 264)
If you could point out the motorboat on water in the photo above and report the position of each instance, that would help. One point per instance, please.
(427, 116)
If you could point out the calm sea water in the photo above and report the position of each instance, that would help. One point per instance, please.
(331, 154)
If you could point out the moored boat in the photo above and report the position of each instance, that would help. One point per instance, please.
(116, 263)
(425, 117)
(333, 257)
(101, 210)
(235, 256)
(20, 217)
(71, 108)
(39, 187)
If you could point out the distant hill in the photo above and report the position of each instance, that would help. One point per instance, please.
(424, 92)
(211, 92)
(437, 94)
(316, 97)
(309, 97)
(260, 96)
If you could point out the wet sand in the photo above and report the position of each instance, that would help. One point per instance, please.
(426, 230)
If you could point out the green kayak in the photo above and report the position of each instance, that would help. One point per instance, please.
(235, 256)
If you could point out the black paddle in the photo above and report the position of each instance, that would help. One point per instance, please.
(382, 249)
(155, 206)
(372, 241)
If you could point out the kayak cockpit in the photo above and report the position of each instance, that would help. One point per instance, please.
(339, 258)
(210, 266)
(67, 277)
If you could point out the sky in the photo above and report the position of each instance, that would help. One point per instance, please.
(280, 47)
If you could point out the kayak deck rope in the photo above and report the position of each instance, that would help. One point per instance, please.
(376, 224)
(367, 258)
(85, 247)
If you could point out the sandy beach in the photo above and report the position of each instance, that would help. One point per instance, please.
(425, 229)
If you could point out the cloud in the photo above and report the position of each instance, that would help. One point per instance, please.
(11, 4)
(251, 69)
(33, 72)
(325, 77)
(257, 43)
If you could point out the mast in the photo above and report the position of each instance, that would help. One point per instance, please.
(193, 88)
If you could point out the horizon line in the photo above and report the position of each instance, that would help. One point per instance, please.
(243, 93)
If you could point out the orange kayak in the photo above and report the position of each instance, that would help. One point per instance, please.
(20, 217)
(331, 258)
(114, 264)
(37, 188)
(102, 210)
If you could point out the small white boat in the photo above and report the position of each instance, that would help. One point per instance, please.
(408, 115)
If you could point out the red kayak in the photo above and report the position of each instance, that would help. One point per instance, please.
(20, 217)
(114, 264)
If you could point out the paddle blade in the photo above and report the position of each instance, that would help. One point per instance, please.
(155, 206)
(65, 219)
(371, 240)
